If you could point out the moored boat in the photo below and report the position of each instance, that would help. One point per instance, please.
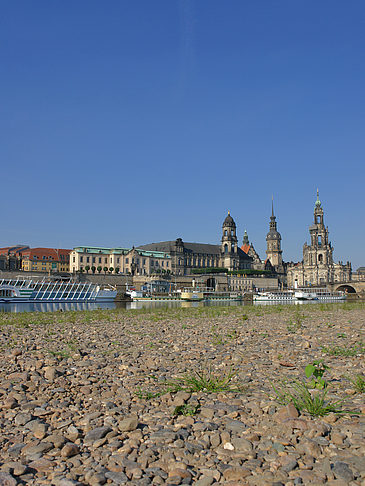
(274, 296)
(318, 294)
(47, 290)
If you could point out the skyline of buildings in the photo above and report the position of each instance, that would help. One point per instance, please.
(183, 258)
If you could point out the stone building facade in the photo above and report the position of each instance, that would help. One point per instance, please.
(317, 266)
(185, 257)
(133, 261)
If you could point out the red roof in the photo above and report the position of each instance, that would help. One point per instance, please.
(245, 248)
(55, 254)
(13, 250)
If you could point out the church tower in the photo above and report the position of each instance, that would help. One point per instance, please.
(273, 243)
(317, 266)
(319, 252)
(229, 255)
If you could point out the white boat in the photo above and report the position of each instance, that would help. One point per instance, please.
(322, 294)
(46, 290)
(206, 294)
(305, 294)
(274, 296)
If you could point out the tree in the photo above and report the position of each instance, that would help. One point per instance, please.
(116, 270)
(87, 268)
(81, 270)
(93, 269)
(105, 270)
(111, 269)
(99, 269)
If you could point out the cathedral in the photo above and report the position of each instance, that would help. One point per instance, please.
(317, 266)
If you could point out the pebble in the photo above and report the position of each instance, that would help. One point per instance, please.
(96, 415)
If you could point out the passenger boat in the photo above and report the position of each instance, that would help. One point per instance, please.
(318, 294)
(275, 296)
(207, 294)
(295, 295)
(47, 290)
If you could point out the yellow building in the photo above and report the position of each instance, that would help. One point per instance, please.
(47, 260)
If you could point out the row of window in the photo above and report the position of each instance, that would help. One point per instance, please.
(134, 260)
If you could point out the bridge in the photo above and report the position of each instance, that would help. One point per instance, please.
(351, 287)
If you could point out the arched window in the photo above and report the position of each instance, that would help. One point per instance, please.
(319, 240)
(232, 232)
(225, 248)
(225, 233)
(320, 258)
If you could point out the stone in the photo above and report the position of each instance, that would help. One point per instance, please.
(7, 479)
(97, 433)
(242, 445)
(50, 373)
(128, 424)
(342, 470)
(204, 481)
(117, 477)
(236, 473)
(70, 449)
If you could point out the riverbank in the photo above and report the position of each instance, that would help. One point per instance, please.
(106, 397)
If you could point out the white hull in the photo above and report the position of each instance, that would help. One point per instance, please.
(13, 291)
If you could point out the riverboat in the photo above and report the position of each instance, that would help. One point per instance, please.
(274, 296)
(207, 294)
(47, 290)
(318, 294)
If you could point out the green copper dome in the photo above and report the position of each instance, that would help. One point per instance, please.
(318, 202)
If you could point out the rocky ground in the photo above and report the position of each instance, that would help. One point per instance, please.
(92, 398)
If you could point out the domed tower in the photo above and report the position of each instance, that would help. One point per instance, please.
(273, 243)
(230, 258)
(319, 252)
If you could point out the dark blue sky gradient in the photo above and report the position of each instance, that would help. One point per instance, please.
(126, 122)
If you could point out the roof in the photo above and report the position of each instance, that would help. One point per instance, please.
(120, 251)
(48, 253)
(245, 248)
(13, 250)
(192, 248)
(169, 246)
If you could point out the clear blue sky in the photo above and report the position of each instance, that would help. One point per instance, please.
(129, 122)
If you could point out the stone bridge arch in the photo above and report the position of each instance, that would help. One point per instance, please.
(346, 288)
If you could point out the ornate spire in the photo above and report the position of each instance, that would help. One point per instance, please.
(318, 202)
(245, 238)
(272, 206)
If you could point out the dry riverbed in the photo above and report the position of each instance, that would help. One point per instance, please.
(107, 397)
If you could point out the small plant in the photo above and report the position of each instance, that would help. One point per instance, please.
(186, 409)
(336, 350)
(315, 371)
(293, 327)
(341, 335)
(314, 403)
(329, 325)
(204, 381)
(146, 395)
(358, 383)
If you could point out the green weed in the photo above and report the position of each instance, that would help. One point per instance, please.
(315, 371)
(314, 403)
(147, 395)
(186, 409)
(204, 381)
(358, 383)
(335, 350)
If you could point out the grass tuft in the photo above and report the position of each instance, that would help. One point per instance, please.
(315, 403)
(204, 381)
